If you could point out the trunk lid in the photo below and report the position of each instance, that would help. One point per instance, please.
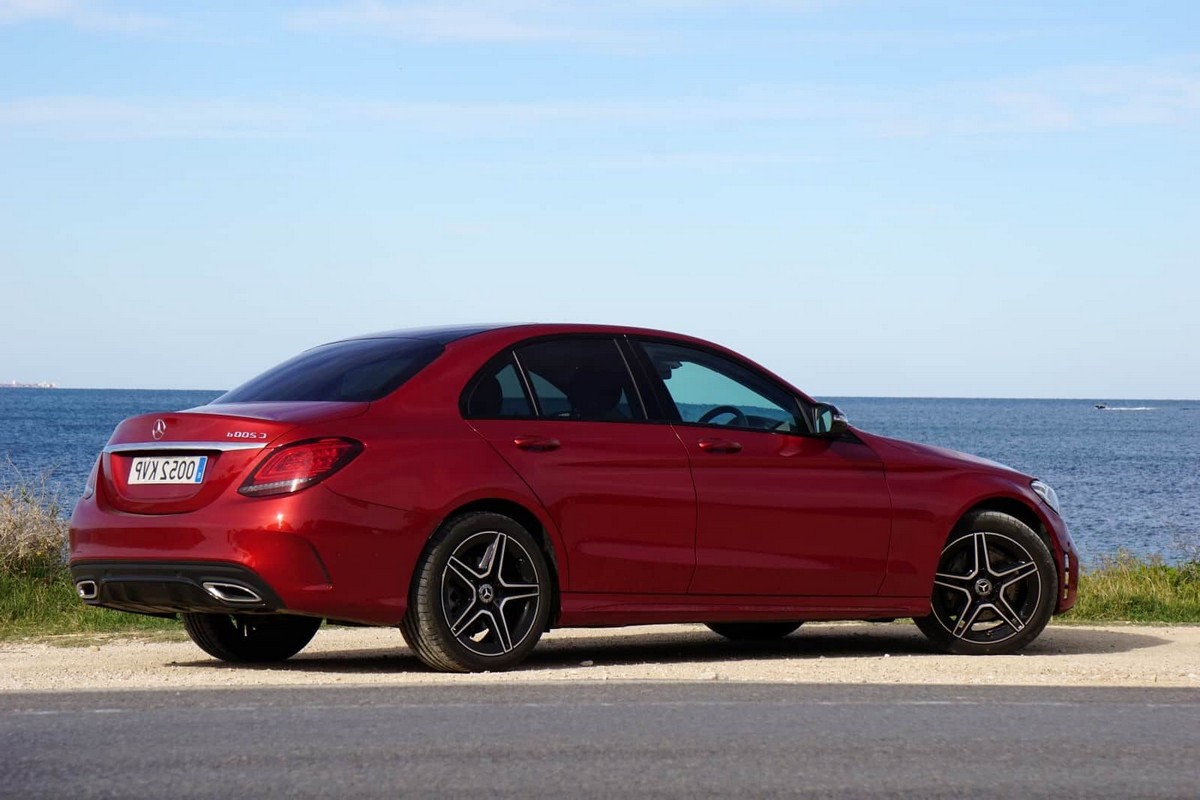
(219, 443)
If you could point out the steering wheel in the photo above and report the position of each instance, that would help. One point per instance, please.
(739, 417)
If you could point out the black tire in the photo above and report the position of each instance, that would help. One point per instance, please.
(995, 589)
(480, 596)
(250, 638)
(753, 631)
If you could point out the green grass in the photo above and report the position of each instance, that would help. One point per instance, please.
(41, 601)
(1126, 588)
(37, 597)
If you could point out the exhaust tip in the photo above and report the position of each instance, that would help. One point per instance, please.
(232, 593)
(86, 590)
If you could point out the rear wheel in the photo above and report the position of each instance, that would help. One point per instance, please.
(250, 637)
(994, 590)
(480, 597)
(753, 631)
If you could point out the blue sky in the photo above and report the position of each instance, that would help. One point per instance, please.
(871, 198)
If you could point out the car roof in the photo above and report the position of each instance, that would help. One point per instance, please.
(441, 334)
(445, 334)
(451, 333)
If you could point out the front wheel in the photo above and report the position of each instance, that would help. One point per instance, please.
(995, 587)
(753, 631)
(250, 637)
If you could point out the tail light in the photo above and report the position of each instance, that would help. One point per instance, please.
(300, 465)
(89, 488)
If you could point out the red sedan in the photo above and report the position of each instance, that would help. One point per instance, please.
(476, 486)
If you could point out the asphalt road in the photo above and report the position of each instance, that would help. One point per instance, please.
(618, 740)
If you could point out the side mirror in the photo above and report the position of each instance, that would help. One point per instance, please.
(829, 421)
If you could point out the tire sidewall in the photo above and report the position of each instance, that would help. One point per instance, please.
(275, 637)
(429, 603)
(754, 631)
(1005, 525)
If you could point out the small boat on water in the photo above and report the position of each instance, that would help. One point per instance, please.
(1101, 406)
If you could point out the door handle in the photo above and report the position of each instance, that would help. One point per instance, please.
(537, 444)
(719, 446)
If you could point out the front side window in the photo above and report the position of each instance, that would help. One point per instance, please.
(709, 389)
(580, 379)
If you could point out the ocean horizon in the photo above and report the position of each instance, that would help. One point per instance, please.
(1128, 475)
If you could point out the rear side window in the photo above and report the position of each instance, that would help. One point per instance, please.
(581, 379)
(498, 394)
(356, 371)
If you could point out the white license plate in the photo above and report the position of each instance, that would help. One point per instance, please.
(167, 469)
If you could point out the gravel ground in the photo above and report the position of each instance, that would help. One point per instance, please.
(829, 653)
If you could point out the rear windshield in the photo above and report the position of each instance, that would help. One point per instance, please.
(356, 371)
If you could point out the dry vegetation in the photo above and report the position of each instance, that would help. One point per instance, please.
(37, 596)
(33, 530)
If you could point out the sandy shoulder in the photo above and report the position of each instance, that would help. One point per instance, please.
(818, 653)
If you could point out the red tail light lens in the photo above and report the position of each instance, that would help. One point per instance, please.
(300, 465)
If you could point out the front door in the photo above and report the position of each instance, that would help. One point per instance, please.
(781, 512)
(566, 415)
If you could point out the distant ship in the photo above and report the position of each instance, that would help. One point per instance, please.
(1101, 406)
(19, 385)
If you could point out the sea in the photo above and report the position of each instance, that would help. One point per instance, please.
(1128, 475)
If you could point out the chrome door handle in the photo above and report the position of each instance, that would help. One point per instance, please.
(719, 446)
(537, 444)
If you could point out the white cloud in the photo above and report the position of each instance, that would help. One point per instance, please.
(116, 118)
(1066, 100)
(83, 14)
(452, 20)
(1078, 98)
(611, 23)
(100, 117)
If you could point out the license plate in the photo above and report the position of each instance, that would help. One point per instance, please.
(167, 469)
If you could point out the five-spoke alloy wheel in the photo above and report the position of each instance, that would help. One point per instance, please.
(481, 596)
(995, 587)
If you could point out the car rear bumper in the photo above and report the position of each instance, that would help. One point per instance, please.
(314, 553)
(170, 588)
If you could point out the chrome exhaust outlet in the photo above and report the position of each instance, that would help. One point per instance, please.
(87, 590)
(232, 593)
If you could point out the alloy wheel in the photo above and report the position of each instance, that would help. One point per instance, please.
(490, 593)
(987, 589)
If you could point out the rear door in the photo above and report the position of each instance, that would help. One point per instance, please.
(566, 414)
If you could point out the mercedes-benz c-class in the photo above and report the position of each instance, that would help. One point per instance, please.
(477, 486)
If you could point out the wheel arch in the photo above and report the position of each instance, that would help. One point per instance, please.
(533, 523)
(1024, 512)
(1014, 508)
